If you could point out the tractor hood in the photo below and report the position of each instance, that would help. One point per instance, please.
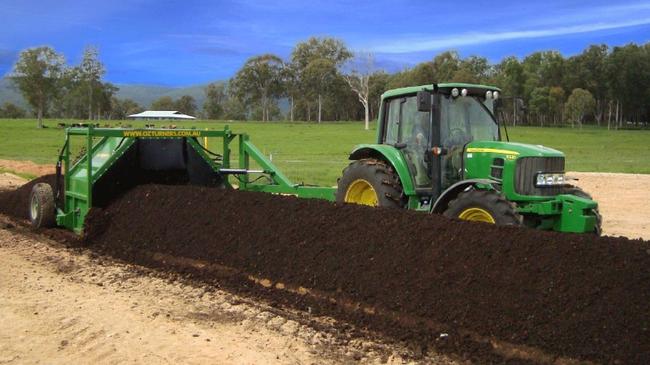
(509, 150)
(498, 160)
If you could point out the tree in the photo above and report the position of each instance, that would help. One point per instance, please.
(291, 86)
(234, 109)
(556, 97)
(540, 103)
(358, 78)
(122, 108)
(510, 76)
(628, 70)
(378, 83)
(37, 75)
(445, 66)
(317, 76)
(163, 103)
(186, 105)
(316, 62)
(91, 71)
(473, 69)
(259, 81)
(12, 111)
(70, 100)
(330, 49)
(103, 99)
(215, 98)
(579, 104)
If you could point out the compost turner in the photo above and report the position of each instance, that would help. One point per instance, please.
(112, 160)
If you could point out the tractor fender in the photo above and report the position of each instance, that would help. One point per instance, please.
(448, 195)
(392, 156)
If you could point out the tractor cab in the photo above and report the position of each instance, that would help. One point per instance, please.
(431, 127)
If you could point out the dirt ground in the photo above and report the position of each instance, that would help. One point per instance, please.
(59, 305)
(623, 201)
(27, 167)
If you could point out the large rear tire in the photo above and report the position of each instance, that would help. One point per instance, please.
(370, 182)
(42, 211)
(574, 190)
(483, 206)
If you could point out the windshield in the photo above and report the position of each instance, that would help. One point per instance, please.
(462, 120)
(466, 119)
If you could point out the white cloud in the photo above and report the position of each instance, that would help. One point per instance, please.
(423, 43)
(559, 21)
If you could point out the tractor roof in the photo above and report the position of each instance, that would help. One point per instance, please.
(415, 89)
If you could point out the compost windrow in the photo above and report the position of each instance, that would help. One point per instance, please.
(445, 282)
(576, 296)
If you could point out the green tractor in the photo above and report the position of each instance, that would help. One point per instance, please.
(439, 149)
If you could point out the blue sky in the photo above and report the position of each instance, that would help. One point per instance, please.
(190, 42)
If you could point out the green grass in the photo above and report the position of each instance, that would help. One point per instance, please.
(316, 154)
(593, 149)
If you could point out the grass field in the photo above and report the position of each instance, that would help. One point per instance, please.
(316, 154)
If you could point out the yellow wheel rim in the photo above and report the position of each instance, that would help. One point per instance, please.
(361, 192)
(476, 215)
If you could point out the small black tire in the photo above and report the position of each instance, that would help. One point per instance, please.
(370, 182)
(42, 211)
(484, 206)
(574, 190)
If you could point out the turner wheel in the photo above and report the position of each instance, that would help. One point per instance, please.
(370, 182)
(484, 206)
(42, 212)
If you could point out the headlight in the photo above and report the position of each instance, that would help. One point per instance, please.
(549, 179)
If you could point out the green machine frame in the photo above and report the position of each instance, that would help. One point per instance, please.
(105, 146)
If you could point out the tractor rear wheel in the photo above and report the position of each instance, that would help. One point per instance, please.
(574, 190)
(483, 206)
(370, 182)
(42, 212)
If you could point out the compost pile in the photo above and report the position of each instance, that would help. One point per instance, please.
(428, 280)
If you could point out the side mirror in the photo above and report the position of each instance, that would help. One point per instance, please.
(424, 101)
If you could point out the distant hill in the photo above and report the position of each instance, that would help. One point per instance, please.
(142, 94)
(146, 94)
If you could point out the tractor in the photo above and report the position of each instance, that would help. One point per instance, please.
(439, 149)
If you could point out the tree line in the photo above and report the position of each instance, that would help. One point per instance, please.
(323, 79)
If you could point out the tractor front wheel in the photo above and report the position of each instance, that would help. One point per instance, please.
(370, 182)
(483, 206)
(42, 212)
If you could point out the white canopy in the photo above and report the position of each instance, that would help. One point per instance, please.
(161, 114)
